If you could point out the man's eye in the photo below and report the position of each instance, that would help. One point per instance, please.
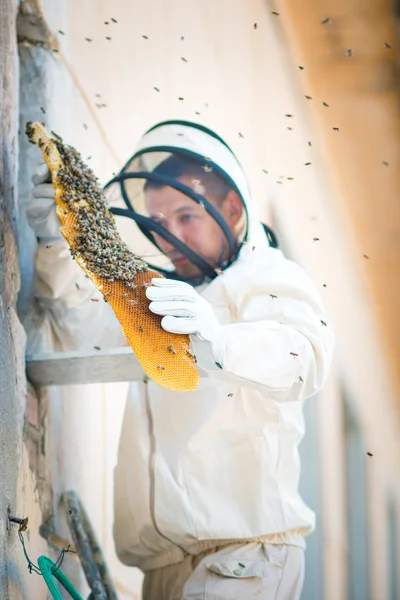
(186, 218)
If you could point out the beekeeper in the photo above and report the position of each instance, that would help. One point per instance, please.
(206, 485)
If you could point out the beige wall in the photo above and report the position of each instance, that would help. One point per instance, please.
(249, 79)
(363, 94)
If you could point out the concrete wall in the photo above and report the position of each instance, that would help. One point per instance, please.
(18, 443)
(240, 78)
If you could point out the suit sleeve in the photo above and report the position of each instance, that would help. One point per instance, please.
(282, 342)
(79, 316)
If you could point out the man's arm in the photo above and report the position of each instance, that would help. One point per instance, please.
(282, 342)
(78, 314)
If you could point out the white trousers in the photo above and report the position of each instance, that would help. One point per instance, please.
(235, 572)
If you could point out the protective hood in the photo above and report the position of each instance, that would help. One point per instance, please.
(156, 163)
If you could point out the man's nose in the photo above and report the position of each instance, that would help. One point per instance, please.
(176, 231)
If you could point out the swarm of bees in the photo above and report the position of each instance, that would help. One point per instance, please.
(97, 241)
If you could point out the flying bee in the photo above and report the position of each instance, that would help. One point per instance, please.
(172, 349)
(161, 367)
(293, 354)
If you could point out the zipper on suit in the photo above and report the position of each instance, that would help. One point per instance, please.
(152, 469)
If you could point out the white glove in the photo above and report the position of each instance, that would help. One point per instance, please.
(41, 211)
(185, 311)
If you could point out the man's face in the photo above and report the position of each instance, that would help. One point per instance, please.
(192, 225)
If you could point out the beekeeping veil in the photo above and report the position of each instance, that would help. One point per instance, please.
(167, 151)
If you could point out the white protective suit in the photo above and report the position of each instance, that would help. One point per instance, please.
(196, 470)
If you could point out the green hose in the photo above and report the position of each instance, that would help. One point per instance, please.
(50, 571)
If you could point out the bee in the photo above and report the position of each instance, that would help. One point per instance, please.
(388, 46)
(293, 354)
(349, 52)
(141, 328)
(42, 109)
(309, 143)
(325, 21)
(275, 13)
(183, 59)
(315, 239)
(273, 296)
(365, 256)
(384, 162)
(61, 32)
(230, 395)
(108, 38)
(323, 323)
(308, 97)
(114, 20)
(369, 453)
(171, 349)
(94, 299)
(255, 26)
(181, 99)
(301, 68)
(325, 104)
(301, 380)
(77, 286)
(241, 135)
(97, 347)
(191, 355)
(289, 116)
(89, 39)
(145, 37)
(161, 367)
(307, 164)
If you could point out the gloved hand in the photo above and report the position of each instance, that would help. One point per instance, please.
(41, 211)
(185, 311)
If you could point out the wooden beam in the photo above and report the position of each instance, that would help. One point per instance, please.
(74, 368)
